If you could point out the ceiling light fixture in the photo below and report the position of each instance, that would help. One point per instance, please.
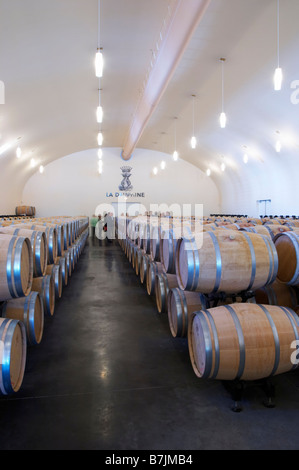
(100, 154)
(222, 115)
(222, 166)
(278, 71)
(99, 62)
(32, 163)
(155, 170)
(208, 172)
(19, 152)
(175, 153)
(193, 139)
(100, 138)
(41, 169)
(163, 165)
(100, 166)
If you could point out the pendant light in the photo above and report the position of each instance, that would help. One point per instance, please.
(99, 61)
(222, 115)
(175, 153)
(100, 138)
(193, 139)
(222, 166)
(278, 71)
(19, 152)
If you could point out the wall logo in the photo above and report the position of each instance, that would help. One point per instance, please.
(126, 184)
(125, 187)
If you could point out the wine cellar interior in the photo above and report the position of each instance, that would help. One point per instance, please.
(149, 225)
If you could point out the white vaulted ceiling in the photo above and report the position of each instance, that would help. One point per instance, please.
(47, 51)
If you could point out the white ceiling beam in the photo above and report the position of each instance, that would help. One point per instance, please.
(184, 20)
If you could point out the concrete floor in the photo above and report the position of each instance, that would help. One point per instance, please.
(109, 376)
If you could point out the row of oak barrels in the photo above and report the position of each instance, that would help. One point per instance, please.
(29, 294)
(200, 283)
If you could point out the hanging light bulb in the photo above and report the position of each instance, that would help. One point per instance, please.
(222, 119)
(99, 114)
(100, 138)
(278, 146)
(100, 167)
(175, 153)
(245, 158)
(155, 170)
(278, 79)
(222, 166)
(278, 70)
(99, 63)
(163, 165)
(41, 169)
(32, 163)
(100, 154)
(19, 152)
(193, 139)
(208, 172)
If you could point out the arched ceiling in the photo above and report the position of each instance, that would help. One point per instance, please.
(47, 51)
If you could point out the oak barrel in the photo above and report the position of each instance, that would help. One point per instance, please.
(181, 304)
(242, 341)
(287, 247)
(144, 263)
(51, 236)
(225, 261)
(64, 269)
(30, 311)
(16, 267)
(25, 210)
(46, 288)
(154, 268)
(13, 355)
(55, 271)
(38, 244)
(163, 283)
(277, 293)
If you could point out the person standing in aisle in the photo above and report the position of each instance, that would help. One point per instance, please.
(93, 223)
(110, 227)
(99, 230)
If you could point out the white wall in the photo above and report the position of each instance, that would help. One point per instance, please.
(72, 186)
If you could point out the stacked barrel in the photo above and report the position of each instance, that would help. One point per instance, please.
(37, 256)
(228, 285)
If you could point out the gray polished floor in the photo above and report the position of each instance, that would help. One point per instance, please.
(109, 376)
